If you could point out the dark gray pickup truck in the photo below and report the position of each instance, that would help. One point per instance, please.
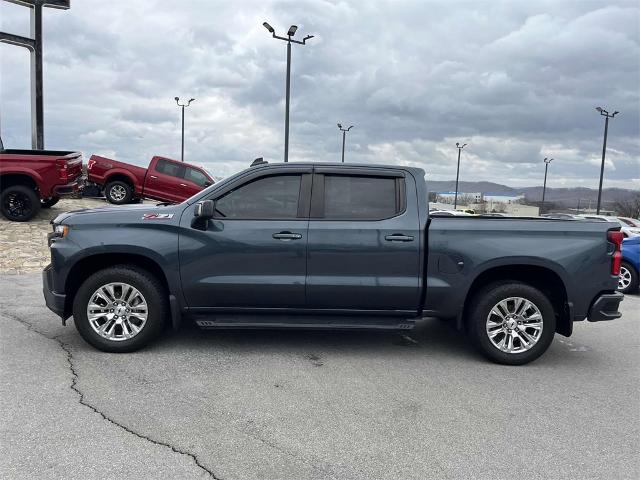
(332, 246)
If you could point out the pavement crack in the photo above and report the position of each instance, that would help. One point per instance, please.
(83, 402)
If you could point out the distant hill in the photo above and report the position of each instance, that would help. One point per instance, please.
(562, 196)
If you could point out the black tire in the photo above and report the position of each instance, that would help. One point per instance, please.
(631, 276)
(151, 289)
(19, 203)
(49, 202)
(481, 307)
(118, 192)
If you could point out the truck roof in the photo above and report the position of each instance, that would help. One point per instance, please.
(416, 170)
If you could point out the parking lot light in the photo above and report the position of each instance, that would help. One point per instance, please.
(606, 116)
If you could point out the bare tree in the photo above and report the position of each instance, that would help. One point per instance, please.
(629, 207)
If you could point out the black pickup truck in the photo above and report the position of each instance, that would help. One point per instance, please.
(334, 246)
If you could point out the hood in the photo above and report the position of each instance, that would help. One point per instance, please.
(120, 214)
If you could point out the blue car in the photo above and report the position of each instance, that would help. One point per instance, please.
(630, 268)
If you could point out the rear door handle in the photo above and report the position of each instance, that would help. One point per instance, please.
(153, 176)
(398, 237)
(183, 184)
(287, 236)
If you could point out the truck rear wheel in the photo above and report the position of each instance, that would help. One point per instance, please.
(511, 322)
(120, 309)
(118, 192)
(19, 203)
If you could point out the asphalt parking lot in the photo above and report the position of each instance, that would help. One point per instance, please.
(301, 405)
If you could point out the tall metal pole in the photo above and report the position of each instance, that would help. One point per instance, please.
(604, 152)
(34, 44)
(182, 106)
(182, 143)
(606, 116)
(286, 113)
(547, 161)
(455, 201)
(344, 136)
(290, 33)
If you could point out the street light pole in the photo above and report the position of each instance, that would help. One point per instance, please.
(606, 116)
(459, 147)
(290, 33)
(34, 45)
(182, 106)
(547, 161)
(344, 133)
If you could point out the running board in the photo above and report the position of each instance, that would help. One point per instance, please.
(301, 322)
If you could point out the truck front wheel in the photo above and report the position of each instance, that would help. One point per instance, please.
(19, 203)
(120, 309)
(118, 192)
(511, 322)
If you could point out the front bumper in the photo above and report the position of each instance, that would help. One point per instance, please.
(56, 302)
(605, 307)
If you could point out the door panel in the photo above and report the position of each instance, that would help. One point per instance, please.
(244, 262)
(238, 263)
(364, 264)
(163, 182)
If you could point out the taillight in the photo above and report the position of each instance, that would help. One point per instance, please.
(616, 238)
(90, 164)
(61, 164)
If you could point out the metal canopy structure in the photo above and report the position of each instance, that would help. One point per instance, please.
(34, 44)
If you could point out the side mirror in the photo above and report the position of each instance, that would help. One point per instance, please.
(204, 210)
(202, 214)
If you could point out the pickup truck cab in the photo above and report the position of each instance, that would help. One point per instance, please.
(165, 179)
(333, 246)
(35, 179)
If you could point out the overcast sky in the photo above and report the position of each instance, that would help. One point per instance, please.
(516, 80)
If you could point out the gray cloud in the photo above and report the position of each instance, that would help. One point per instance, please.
(516, 80)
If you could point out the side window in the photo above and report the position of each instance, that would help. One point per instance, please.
(274, 197)
(196, 176)
(168, 168)
(351, 197)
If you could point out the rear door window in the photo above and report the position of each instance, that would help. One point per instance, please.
(169, 168)
(353, 197)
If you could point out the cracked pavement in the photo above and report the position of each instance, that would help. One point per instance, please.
(312, 405)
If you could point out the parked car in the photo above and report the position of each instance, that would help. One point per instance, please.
(448, 213)
(333, 246)
(165, 179)
(630, 267)
(35, 179)
(629, 229)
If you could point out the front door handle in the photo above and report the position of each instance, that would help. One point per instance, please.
(398, 237)
(287, 236)
(183, 184)
(153, 176)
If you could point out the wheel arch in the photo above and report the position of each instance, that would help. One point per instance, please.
(87, 266)
(19, 178)
(543, 278)
(123, 176)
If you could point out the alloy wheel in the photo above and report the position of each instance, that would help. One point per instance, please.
(514, 325)
(117, 311)
(624, 279)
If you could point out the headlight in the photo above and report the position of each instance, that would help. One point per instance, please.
(61, 230)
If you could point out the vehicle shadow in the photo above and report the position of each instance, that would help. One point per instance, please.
(438, 337)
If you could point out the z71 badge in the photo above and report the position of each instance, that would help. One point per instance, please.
(157, 216)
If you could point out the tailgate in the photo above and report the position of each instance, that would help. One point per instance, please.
(73, 166)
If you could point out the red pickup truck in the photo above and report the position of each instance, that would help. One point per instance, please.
(35, 179)
(165, 179)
